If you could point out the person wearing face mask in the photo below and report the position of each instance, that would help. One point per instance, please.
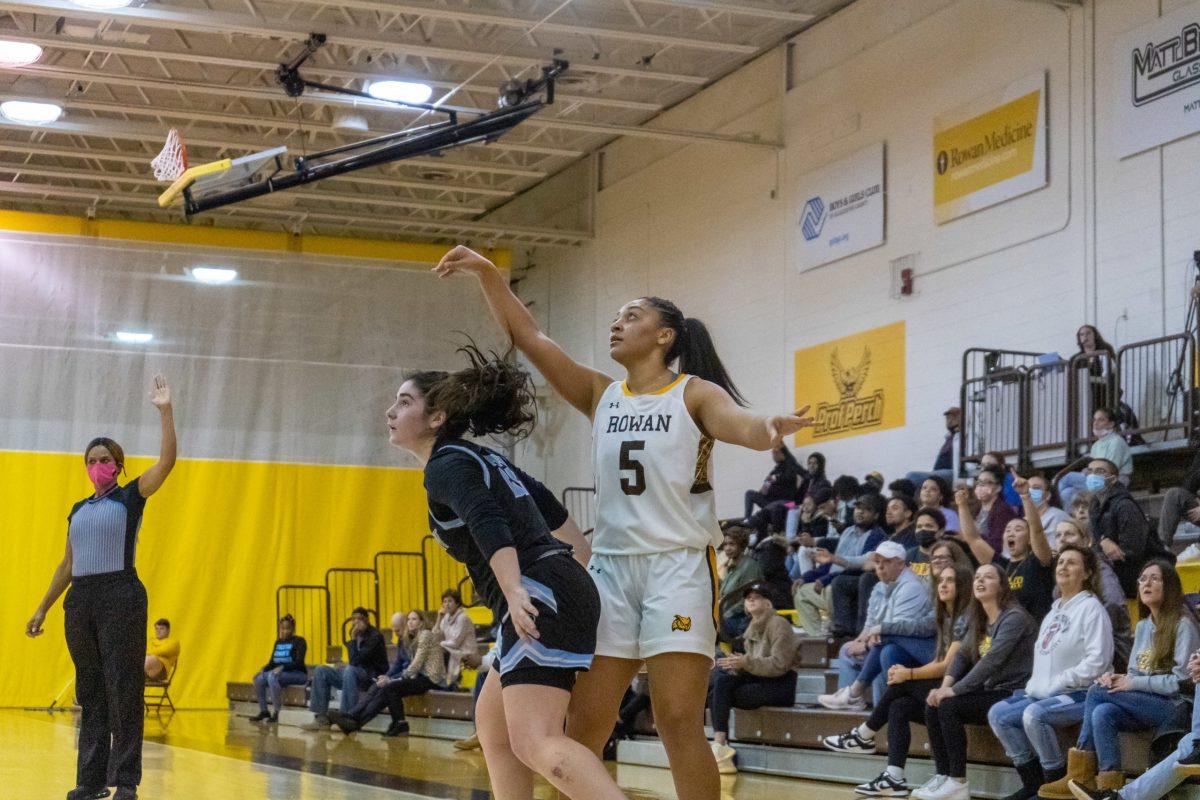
(1029, 565)
(1117, 522)
(928, 528)
(105, 610)
(1071, 533)
(994, 513)
(1109, 445)
(1045, 500)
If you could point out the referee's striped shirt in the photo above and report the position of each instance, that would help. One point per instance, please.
(103, 531)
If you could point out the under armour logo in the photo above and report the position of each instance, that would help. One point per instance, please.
(616, 404)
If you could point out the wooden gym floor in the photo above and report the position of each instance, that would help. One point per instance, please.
(211, 754)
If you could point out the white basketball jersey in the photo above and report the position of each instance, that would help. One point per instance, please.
(651, 463)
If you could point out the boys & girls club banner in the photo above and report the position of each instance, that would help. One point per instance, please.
(842, 211)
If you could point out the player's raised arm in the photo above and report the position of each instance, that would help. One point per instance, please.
(579, 385)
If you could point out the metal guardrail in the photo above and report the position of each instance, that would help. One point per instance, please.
(1158, 377)
(400, 577)
(580, 502)
(309, 605)
(442, 572)
(349, 588)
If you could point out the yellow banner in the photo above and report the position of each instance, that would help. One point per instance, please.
(990, 150)
(854, 385)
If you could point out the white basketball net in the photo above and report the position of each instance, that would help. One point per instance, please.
(172, 161)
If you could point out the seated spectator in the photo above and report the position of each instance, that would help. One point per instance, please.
(1071, 532)
(1146, 698)
(812, 477)
(780, 486)
(848, 563)
(1081, 508)
(761, 676)
(994, 512)
(928, 528)
(1118, 524)
(898, 527)
(742, 570)
(1074, 648)
(845, 494)
(367, 661)
(161, 652)
(813, 519)
(873, 482)
(811, 591)
(426, 671)
(1158, 781)
(372, 699)
(286, 668)
(1181, 502)
(1109, 446)
(908, 687)
(455, 632)
(935, 493)
(1029, 566)
(945, 465)
(899, 629)
(994, 459)
(995, 659)
(950, 551)
(1045, 500)
(902, 487)
(771, 553)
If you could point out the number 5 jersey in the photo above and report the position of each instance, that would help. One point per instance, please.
(651, 463)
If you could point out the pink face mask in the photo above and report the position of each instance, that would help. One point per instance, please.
(102, 475)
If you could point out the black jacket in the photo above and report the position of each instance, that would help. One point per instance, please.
(369, 652)
(1116, 516)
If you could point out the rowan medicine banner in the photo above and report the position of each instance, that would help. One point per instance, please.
(990, 150)
(1157, 81)
(843, 209)
(853, 385)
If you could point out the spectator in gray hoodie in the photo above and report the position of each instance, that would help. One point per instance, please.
(899, 629)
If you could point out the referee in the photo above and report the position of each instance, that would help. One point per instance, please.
(106, 611)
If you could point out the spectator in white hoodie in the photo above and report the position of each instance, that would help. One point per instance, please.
(1074, 647)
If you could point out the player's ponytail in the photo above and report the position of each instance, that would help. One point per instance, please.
(694, 348)
(491, 396)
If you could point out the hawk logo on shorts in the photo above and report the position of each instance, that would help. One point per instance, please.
(681, 623)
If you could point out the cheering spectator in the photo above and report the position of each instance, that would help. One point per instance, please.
(368, 660)
(1045, 501)
(1109, 446)
(945, 466)
(456, 634)
(994, 513)
(908, 687)
(761, 676)
(1030, 563)
(286, 668)
(899, 629)
(161, 652)
(994, 459)
(813, 594)
(742, 570)
(995, 658)
(1112, 596)
(935, 493)
(1147, 697)
(1118, 523)
(1074, 648)
(849, 568)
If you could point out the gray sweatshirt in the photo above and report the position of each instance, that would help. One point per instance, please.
(1005, 655)
(1141, 677)
(854, 545)
(903, 607)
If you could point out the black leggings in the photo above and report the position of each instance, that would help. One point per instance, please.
(901, 704)
(742, 690)
(392, 696)
(947, 727)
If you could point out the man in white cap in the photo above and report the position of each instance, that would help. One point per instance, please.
(899, 630)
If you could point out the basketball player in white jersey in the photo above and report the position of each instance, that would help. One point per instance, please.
(653, 551)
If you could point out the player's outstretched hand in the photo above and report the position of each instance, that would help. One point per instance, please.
(523, 613)
(787, 424)
(462, 260)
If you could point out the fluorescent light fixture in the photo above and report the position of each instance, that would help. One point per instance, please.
(400, 91)
(30, 113)
(214, 275)
(102, 4)
(134, 337)
(18, 54)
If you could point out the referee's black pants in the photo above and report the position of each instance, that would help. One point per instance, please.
(106, 634)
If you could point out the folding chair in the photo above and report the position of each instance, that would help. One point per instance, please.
(157, 691)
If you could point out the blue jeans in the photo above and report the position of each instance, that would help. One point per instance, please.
(349, 679)
(1026, 726)
(909, 651)
(1160, 779)
(275, 682)
(850, 668)
(1106, 714)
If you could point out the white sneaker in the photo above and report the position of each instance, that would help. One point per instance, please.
(951, 790)
(724, 755)
(841, 700)
(926, 789)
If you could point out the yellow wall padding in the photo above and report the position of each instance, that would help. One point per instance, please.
(216, 541)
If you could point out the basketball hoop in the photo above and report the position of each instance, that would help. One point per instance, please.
(171, 162)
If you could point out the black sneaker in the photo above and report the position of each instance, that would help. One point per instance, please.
(883, 786)
(84, 793)
(1189, 764)
(1084, 793)
(273, 719)
(347, 723)
(397, 728)
(850, 743)
(260, 716)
